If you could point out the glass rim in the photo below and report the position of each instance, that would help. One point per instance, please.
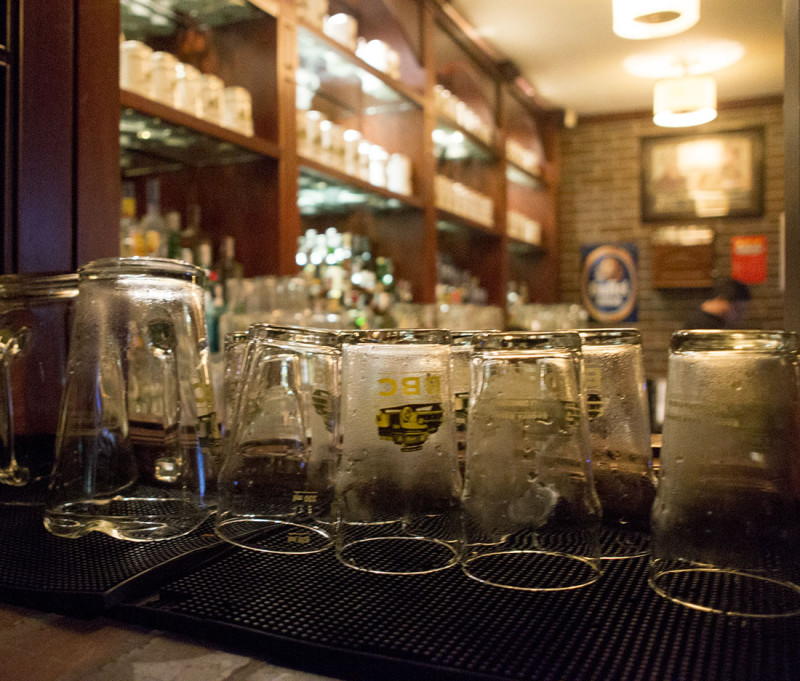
(38, 285)
(736, 340)
(305, 335)
(403, 337)
(109, 268)
(465, 337)
(526, 340)
(610, 336)
(233, 338)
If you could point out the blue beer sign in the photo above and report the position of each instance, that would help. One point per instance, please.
(610, 282)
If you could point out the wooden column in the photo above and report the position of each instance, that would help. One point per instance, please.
(791, 121)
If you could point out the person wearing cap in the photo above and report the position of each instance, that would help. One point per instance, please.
(727, 306)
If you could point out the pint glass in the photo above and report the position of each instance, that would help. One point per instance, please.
(619, 434)
(276, 486)
(398, 482)
(726, 518)
(532, 517)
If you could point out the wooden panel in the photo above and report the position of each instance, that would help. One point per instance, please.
(5, 25)
(7, 196)
(45, 133)
(676, 266)
(288, 215)
(97, 144)
(791, 109)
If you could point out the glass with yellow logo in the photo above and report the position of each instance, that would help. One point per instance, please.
(398, 483)
(276, 486)
(619, 434)
(532, 516)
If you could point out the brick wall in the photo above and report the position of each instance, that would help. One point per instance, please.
(599, 203)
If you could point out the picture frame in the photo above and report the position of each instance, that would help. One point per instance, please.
(686, 177)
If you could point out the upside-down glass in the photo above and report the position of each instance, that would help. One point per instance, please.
(619, 434)
(234, 353)
(138, 438)
(532, 516)
(35, 322)
(276, 486)
(460, 355)
(398, 484)
(726, 518)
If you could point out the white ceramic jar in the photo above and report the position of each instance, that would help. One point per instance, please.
(238, 110)
(343, 29)
(188, 89)
(164, 77)
(136, 67)
(212, 94)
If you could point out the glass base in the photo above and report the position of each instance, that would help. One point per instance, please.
(397, 555)
(131, 519)
(724, 591)
(272, 536)
(620, 543)
(532, 570)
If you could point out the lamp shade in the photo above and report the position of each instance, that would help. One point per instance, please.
(683, 102)
(642, 19)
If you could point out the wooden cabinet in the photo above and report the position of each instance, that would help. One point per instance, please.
(268, 188)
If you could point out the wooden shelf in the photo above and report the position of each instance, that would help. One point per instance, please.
(361, 194)
(156, 138)
(453, 221)
(525, 248)
(334, 63)
(262, 191)
(467, 145)
(519, 175)
(150, 19)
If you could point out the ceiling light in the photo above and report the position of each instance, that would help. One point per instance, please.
(683, 102)
(642, 19)
(692, 60)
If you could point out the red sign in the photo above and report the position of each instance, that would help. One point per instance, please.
(749, 258)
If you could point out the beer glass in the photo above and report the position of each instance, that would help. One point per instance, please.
(619, 434)
(460, 355)
(532, 516)
(138, 438)
(234, 352)
(398, 484)
(35, 319)
(726, 517)
(276, 486)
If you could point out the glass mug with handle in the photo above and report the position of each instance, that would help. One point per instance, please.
(36, 313)
(138, 440)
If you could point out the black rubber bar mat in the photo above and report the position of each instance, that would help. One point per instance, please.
(88, 575)
(311, 613)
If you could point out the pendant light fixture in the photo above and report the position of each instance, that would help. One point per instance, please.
(643, 19)
(683, 102)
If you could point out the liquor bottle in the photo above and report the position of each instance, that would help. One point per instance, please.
(174, 241)
(129, 233)
(229, 273)
(153, 226)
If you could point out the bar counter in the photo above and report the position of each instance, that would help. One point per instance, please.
(39, 646)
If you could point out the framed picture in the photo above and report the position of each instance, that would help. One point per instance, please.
(703, 176)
